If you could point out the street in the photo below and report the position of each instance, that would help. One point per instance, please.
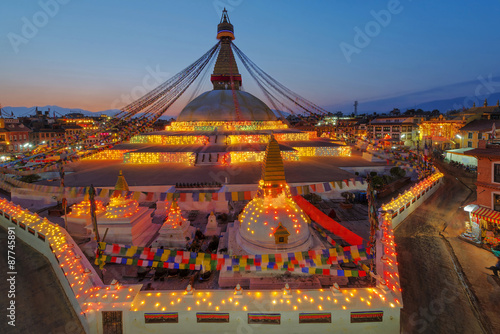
(434, 296)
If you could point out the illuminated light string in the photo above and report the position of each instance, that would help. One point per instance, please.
(152, 106)
(120, 207)
(264, 138)
(107, 155)
(159, 157)
(169, 140)
(83, 208)
(93, 297)
(226, 126)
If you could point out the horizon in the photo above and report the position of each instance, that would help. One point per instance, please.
(330, 53)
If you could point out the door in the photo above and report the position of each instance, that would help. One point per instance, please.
(112, 322)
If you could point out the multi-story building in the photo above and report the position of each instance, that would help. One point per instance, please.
(485, 212)
(46, 136)
(470, 134)
(14, 136)
(395, 130)
(442, 133)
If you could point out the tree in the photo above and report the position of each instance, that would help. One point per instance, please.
(377, 182)
(30, 178)
(397, 172)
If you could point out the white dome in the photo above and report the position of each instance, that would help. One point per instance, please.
(218, 105)
(261, 217)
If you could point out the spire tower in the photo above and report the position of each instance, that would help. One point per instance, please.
(121, 183)
(273, 171)
(226, 69)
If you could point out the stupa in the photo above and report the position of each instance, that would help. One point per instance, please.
(223, 126)
(79, 219)
(125, 222)
(270, 223)
(267, 218)
(211, 228)
(176, 231)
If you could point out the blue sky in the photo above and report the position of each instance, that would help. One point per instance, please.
(89, 54)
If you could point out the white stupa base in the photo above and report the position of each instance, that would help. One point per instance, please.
(135, 230)
(211, 231)
(78, 226)
(271, 279)
(174, 237)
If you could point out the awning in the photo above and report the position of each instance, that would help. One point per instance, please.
(487, 214)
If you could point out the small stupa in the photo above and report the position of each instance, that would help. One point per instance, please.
(175, 231)
(79, 219)
(211, 228)
(272, 221)
(124, 221)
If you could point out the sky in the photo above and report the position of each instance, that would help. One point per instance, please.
(97, 55)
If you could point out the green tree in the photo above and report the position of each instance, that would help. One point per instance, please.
(30, 178)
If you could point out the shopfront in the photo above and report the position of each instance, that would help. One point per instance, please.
(485, 225)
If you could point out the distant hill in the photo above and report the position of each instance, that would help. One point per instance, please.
(443, 98)
(27, 111)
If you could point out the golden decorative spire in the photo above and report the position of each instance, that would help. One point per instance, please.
(273, 171)
(121, 183)
(485, 102)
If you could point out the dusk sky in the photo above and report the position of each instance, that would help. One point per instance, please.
(88, 54)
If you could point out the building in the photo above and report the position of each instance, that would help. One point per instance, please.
(46, 136)
(441, 133)
(485, 211)
(14, 136)
(480, 129)
(394, 130)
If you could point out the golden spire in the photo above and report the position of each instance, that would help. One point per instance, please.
(273, 172)
(121, 183)
(485, 102)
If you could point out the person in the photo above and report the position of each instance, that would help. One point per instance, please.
(160, 274)
(149, 287)
(495, 268)
(142, 272)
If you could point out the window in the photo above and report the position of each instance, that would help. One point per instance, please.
(378, 135)
(479, 136)
(403, 128)
(470, 135)
(496, 173)
(395, 128)
(281, 239)
(387, 128)
(408, 136)
(496, 202)
(378, 128)
(469, 144)
(395, 136)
